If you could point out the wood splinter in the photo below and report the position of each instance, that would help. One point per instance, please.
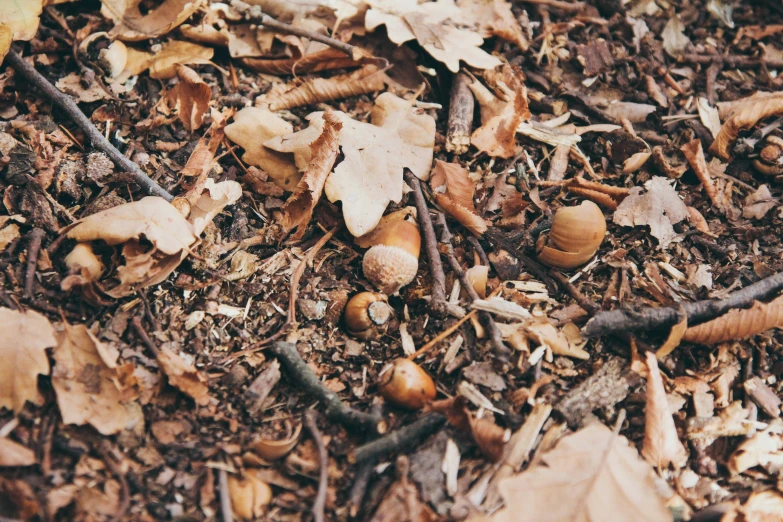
(460, 123)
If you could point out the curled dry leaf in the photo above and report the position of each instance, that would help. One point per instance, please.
(214, 198)
(184, 376)
(163, 65)
(709, 116)
(746, 115)
(493, 18)
(191, 97)
(271, 450)
(674, 338)
(567, 342)
(489, 437)
(367, 79)
(453, 190)
(315, 61)
(24, 339)
(87, 381)
(759, 203)
(762, 449)
(131, 25)
(13, 454)
(18, 21)
(593, 474)
(249, 496)
(662, 445)
(659, 207)
(738, 324)
(761, 506)
(695, 156)
(371, 172)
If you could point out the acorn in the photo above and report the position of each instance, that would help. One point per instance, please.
(575, 236)
(392, 262)
(770, 160)
(367, 315)
(406, 384)
(107, 55)
(82, 260)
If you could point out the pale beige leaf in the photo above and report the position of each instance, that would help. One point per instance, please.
(24, 339)
(251, 128)
(662, 445)
(184, 376)
(13, 454)
(659, 207)
(131, 25)
(6, 38)
(21, 17)
(762, 449)
(759, 203)
(709, 116)
(191, 97)
(249, 496)
(674, 38)
(86, 381)
(162, 65)
(591, 475)
(746, 115)
(213, 200)
(761, 506)
(493, 18)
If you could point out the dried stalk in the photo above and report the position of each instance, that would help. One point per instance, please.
(323, 459)
(395, 441)
(738, 324)
(460, 125)
(33, 250)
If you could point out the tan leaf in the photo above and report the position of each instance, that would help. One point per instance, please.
(762, 449)
(759, 203)
(660, 207)
(191, 97)
(738, 324)
(489, 437)
(251, 128)
(13, 454)
(86, 381)
(143, 267)
(453, 190)
(761, 506)
(21, 18)
(545, 333)
(371, 172)
(493, 18)
(402, 501)
(163, 64)
(747, 113)
(321, 60)
(6, 39)
(131, 25)
(214, 198)
(662, 445)
(673, 36)
(695, 156)
(367, 79)
(8, 235)
(24, 339)
(591, 475)
(249, 496)
(184, 376)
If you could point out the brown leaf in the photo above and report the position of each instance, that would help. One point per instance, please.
(18, 21)
(365, 80)
(746, 115)
(453, 190)
(738, 324)
(493, 18)
(191, 97)
(249, 496)
(662, 445)
(759, 203)
(321, 60)
(163, 64)
(674, 338)
(131, 25)
(489, 437)
(86, 381)
(695, 156)
(13, 454)
(271, 450)
(761, 506)
(402, 502)
(593, 474)
(660, 207)
(24, 339)
(184, 376)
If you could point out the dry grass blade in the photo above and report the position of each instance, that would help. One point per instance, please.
(367, 79)
(695, 155)
(746, 115)
(738, 324)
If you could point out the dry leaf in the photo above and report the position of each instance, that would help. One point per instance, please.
(738, 324)
(86, 380)
(493, 18)
(320, 60)
(695, 156)
(367, 79)
(131, 25)
(24, 339)
(371, 172)
(489, 437)
(214, 198)
(659, 207)
(762, 449)
(560, 342)
(674, 338)
(744, 114)
(709, 116)
(8, 235)
(191, 97)
(428, 24)
(633, 112)
(761, 506)
(251, 128)
(18, 21)
(13, 454)
(249, 496)
(759, 203)
(591, 475)
(501, 112)
(163, 64)
(673, 36)
(402, 502)
(271, 450)
(453, 190)
(184, 376)
(662, 445)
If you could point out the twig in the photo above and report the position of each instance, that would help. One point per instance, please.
(474, 242)
(323, 457)
(568, 7)
(143, 336)
(586, 304)
(492, 329)
(362, 478)
(33, 249)
(306, 380)
(398, 440)
(532, 266)
(438, 338)
(299, 272)
(225, 498)
(69, 106)
(460, 115)
(614, 321)
(733, 61)
(107, 455)
(438, 303)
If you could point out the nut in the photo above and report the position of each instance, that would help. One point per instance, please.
(367, 315)
(109, 56)
(770, 160)
(82, 260)
(392, 262)
(406, 385)
(575, 236)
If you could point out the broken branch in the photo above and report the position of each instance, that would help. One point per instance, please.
(398, 440)
(323, 458)
(460, 123)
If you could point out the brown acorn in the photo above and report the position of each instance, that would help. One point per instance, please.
(367, 315)
(392, 262)
(770, 159)
(576, 234)
(406, 385)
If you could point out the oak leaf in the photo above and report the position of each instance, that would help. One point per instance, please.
(18, 21)
(673, 36)
(659, 207)
(131, 25)
(593, 474)
(184, 376)
(453, 190)
(24, 339)
(662, 445)
(493, 18)
(370, 174)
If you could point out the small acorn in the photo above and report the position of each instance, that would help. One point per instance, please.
(406, 385)
(770, 159)
(82, 260)
(109, 56)
(392, 262)
(367, 315)
(575, 236)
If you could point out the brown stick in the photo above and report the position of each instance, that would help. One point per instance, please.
(733, 61)
(225, 497)
(586, 304)
(438, 304)
(460, 115)
(33, 249)
(143, 336)
(297, 275)
(67, 104)
(323, 458)
(404, 437)
(107, 455)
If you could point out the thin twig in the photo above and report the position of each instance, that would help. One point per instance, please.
(474, 242)
(107, 455)
(587, 305)
(33, 249)
(396, 441)
(535, 268)
(306, 380)
(297, 275)
(323, 458)
(225, 498)
(438, 303)
(362, 478)
(69, 106)
(732, 61)
(143, 336)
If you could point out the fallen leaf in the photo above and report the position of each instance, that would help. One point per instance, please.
(184, 376)
(489, 437)
(402, 502)
(709, 116)
(71, 84)
(493, 18)
(191, 97)
(8, 235)
(453, 190)
(13, 454)
(24, 339)
(545, 333)
(371, 173)
(738, 324)
(214, 198)
(86, 380)
(249, 496)
(131, 25)
(593, 474)
(695, 156)
(759, 203)
(18, 21)
(271, 450)
(745, 114)
(662, 445)
(673, 36)
(762, 449)
(761, 506)
(659, 207)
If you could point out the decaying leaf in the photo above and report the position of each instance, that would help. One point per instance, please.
(673, 36)
(489, 437)
(184, 376)
(367, 79)
(131, 25)
(249, 495)
(759, 203)
(659, 207)
(13, 454)
(453, 190)
(695, 156)
(761, 506)
(271, 450)
(24, 339)
(738, 324)
(662, 445)
(371, 173)
(567, 342)
(745, 113)
(762, 449)
(709, 116)
(191, 97)
(18, 21)
(87, 381)
(493, 18)
(593, 474)
(402, 501)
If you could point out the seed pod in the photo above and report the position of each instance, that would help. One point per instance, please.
(82, 260)
(407, 385)
(575, 236)
(367, 315)
(393, 261)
